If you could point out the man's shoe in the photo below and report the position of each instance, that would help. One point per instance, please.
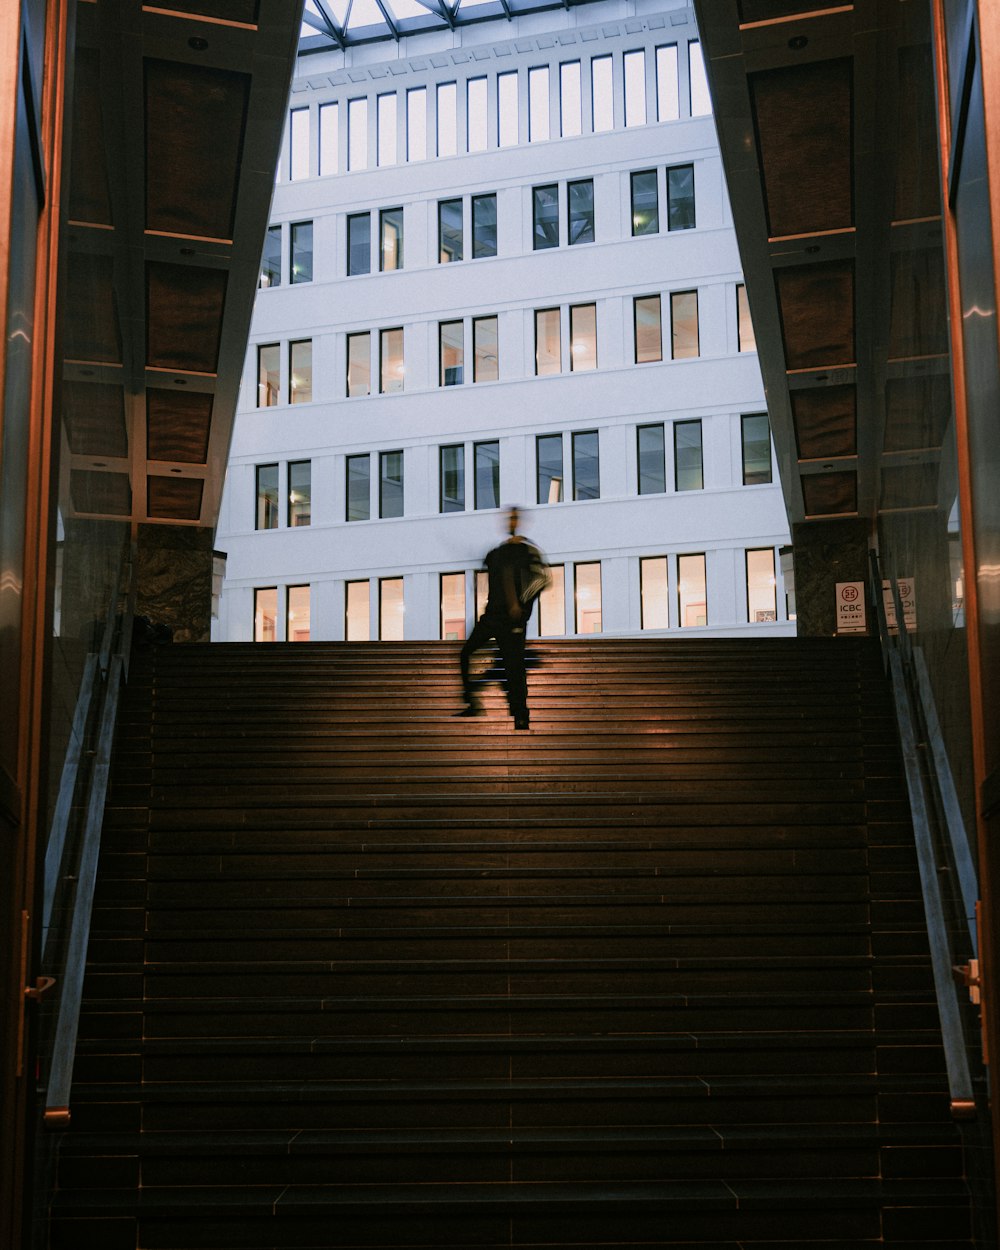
(471, 709)
(521, 722)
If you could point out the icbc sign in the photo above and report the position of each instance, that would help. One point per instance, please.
(851, 608)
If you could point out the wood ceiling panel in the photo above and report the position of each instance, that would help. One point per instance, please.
(909, 486)
(91, 321)
(89, 198)
(174, 498)
(816, 305)
(826, 422)
(917, 412)
(178, 426)
(103, 494)
(917, 179)
(184, 316)
(94, 413)
(918, 323)
(829, 494)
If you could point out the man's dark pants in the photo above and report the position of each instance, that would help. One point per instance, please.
(510, 641)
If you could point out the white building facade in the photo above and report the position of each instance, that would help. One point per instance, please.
(502, 270)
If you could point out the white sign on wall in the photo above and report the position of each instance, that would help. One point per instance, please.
(851, 608)
(908, 598)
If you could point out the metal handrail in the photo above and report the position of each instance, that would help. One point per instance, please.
(962, 1097)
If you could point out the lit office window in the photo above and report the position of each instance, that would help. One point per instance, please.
(390, 378)
(485, 350)
(692, 599)
(449, 230)
(267, 497)
(387, 129)
(755, 432)
(390, 491)
(747, 339)
(538, 104)
(548, 345)
(358, 612)
(447, 119)
(452, 475)
(680, 197)
(451, 353)
(268, 373)
(653, 592)
(484, 226)
(270, 262)
(297, 613)
(329, 139)
(701, 101)
(667, 84)
(357, 134)
(302, 251)
(582, 337)
(602, 94)
(688, 467)
(586, 466)
(390, 253)
(648, 338)
(507, 106)
(581, 211)
(390, 609)
(645, 203)
(762, 590)
(545, 216)
(570, 99)
(299, 493)
(300, 372)
(475, 108)
(588, 597)
(684, 325)
(298, 144)
(486, 457)
(452, 606)
(265, 614)
(552, 605)
(416, 124)
(359, 244)
(482, 591)
(358, 488)
(651, 459)
(359, 364)
(550, 476)
(635, 88)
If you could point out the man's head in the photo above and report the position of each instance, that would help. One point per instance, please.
(513, 516)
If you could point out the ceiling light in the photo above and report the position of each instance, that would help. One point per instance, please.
(197, 43)
(797, 43)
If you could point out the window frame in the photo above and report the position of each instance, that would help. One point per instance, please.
(478, 252)
(541, 227)
(270, 513)
(662, 464)
(678, 425)
(352, 335)
(755, 416)
(636, 301)
(348, 461)
(572, 217)
(441, 205)
(383, 221)
(352, 246)
(459, 502)
(476, 322)
(539, 312)
(292, 345)
(696, 354)
(554, 438)
(291, 487)
(576, 457)
(382, 479)
(442, 327)
(382, 334)
(476, 446)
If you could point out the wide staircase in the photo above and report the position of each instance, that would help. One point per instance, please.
(652, 973)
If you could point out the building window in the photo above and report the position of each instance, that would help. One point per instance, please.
(359, 364)
(390, 250)
(297, 613)
(487, 466)
(485, 350)
(538, 104)
(265, 614)
(484, 226)
(268, 373)
(357, 134)
(452, 475)
(582, 337)
(701, 101)
(549, 458)
(744, 326)
(586, 465)
(545, 213)
(298, 144)
(692, 600)
(648, 339)
(390, 609)
(755, 431)
(267, 497)
(651, 459)
(390, 376)
(451, 353)
(507, 109)
(447, 119)
(452, 606)
(635, 88)
(302, 252)
(684, 325)
(653, 593)
(299, 493)
(329, 138)
(570, 100)
(475, 112)
(552, 605)
(548, 345)
(359, 244)
(588, 597)
(482, 591)
(390, 493)
(358, 488)
(270, 262)
(645, 203)
(762, 590)
(358, 612)
(387, 129)
(688, 469)
(300, 372)
(416, 124)
(581, 211)
(680, 197)
(449, 230)
(602, 94)
(667, 84)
